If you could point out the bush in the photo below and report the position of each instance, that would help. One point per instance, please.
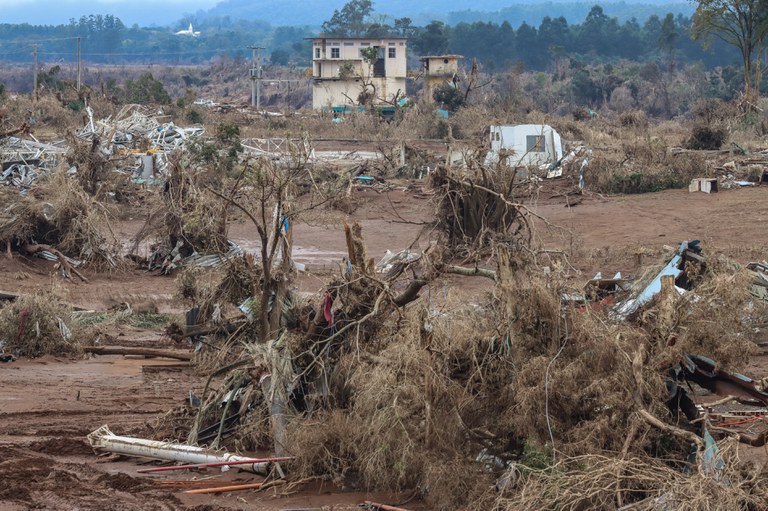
(633, 119)
(76, 105)
(704, 137)
(450, 97)
(228, 133)
(194, 116)
(37, 325)
(146, 89)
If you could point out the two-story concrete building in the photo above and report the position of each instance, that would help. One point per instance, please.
(440, 69)
(340, 71)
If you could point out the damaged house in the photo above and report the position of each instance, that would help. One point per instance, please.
(440, 69)
(346, 72)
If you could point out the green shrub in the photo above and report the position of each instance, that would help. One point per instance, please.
(448, 96)
(704, 137)
(194, 116)
(146, 89)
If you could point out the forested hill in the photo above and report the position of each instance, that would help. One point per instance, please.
(597, 38)
(313, 12)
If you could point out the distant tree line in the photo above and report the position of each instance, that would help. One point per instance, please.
(496, 46)
(599, 39)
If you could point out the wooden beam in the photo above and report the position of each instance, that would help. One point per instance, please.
(146, 352)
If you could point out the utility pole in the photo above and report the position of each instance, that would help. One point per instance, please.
(78, 64)
(256, 76)
(34, 70)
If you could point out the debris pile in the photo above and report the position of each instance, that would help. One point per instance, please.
(62, 210)
(36, 325)
(134, 128)
(58, 217)
(24, 161)
(190, 224)
(624, 394)
(364, 383)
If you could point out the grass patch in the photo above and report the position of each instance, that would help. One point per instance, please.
(149, 320)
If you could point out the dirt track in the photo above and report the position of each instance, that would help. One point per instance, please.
(47, 406)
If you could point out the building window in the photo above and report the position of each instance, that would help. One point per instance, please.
(334, 53)
(365, 44)
(317, 53)
(392, 52)
(534, 143)
(349, 44)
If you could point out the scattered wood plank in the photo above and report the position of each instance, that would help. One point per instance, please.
(146, 352)
(5, 295)
(158, 368)
(382, 507)
(223, 489)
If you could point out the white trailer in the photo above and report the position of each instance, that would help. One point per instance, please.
(525, 144)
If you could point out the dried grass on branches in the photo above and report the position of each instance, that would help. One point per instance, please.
(572, 399)
(189, 215)
(602, 482)
(93, 169)
(193, 215)
(403, 407)
(230, 285)
(37, 325)
(477, 208)
(59, 213)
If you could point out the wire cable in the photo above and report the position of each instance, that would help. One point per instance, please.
(546, 387)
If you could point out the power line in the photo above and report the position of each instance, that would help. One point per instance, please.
(38, 41)
(139, 54)
(26, 52)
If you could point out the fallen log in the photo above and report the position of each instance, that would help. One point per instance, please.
(8, 296)
(68, 269)
(382, 507)
(146, 352)
(223, 489)
(471, 272)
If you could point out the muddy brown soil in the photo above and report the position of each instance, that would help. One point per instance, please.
(49, 405)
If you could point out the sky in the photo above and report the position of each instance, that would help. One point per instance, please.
(141, 12)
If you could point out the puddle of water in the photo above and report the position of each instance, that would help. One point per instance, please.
(308, 255)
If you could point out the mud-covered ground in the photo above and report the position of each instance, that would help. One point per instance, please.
(49, 405)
